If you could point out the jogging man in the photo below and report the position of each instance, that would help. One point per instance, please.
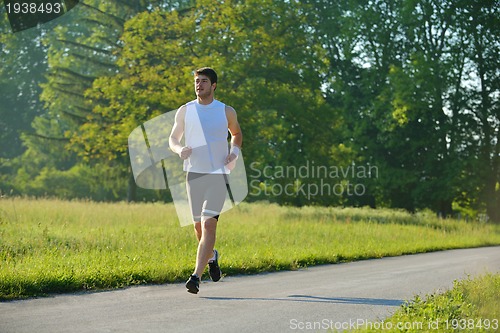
(205, 122)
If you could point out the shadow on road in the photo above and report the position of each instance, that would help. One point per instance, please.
(316, 299)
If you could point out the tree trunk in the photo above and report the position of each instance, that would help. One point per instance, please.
(132, 188)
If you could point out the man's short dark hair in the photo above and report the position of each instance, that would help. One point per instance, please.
(208, 72)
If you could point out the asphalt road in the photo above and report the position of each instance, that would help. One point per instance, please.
(313, 299)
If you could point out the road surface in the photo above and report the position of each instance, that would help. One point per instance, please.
(312, 299)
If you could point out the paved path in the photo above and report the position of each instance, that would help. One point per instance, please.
(325, 296)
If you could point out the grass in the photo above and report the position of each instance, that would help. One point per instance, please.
(52, 246)
(471, 306)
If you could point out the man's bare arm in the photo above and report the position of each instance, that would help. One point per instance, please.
(174, 141)
(234, 127)
(235, 130)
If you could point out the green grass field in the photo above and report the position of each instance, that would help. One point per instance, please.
(471, 306)
(51, 246)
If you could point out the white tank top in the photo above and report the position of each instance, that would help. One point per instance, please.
(206, 132)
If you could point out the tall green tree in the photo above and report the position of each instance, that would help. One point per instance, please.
(22, 67)
(406, 76)
(269, 71)
(478, 21)
(77, 48)
(419, 90)
(362, 41)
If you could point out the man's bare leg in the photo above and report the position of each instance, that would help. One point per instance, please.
(206, 236)
(197, 230)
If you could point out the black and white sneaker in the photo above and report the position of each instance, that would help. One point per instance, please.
(193, 284)
(214, 269)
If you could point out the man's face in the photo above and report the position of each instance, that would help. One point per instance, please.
(202, 86)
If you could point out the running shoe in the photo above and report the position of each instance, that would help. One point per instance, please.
(193, 284)
(213, 268)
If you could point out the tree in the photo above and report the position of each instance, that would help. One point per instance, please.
(478, 21)
(406, 76)
(269, 71)
(72, 52)
(22, 65)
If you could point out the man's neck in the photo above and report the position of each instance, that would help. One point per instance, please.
(205, 101)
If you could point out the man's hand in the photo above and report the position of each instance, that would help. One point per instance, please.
(185, 152)
(230, 161)
(230, 158)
